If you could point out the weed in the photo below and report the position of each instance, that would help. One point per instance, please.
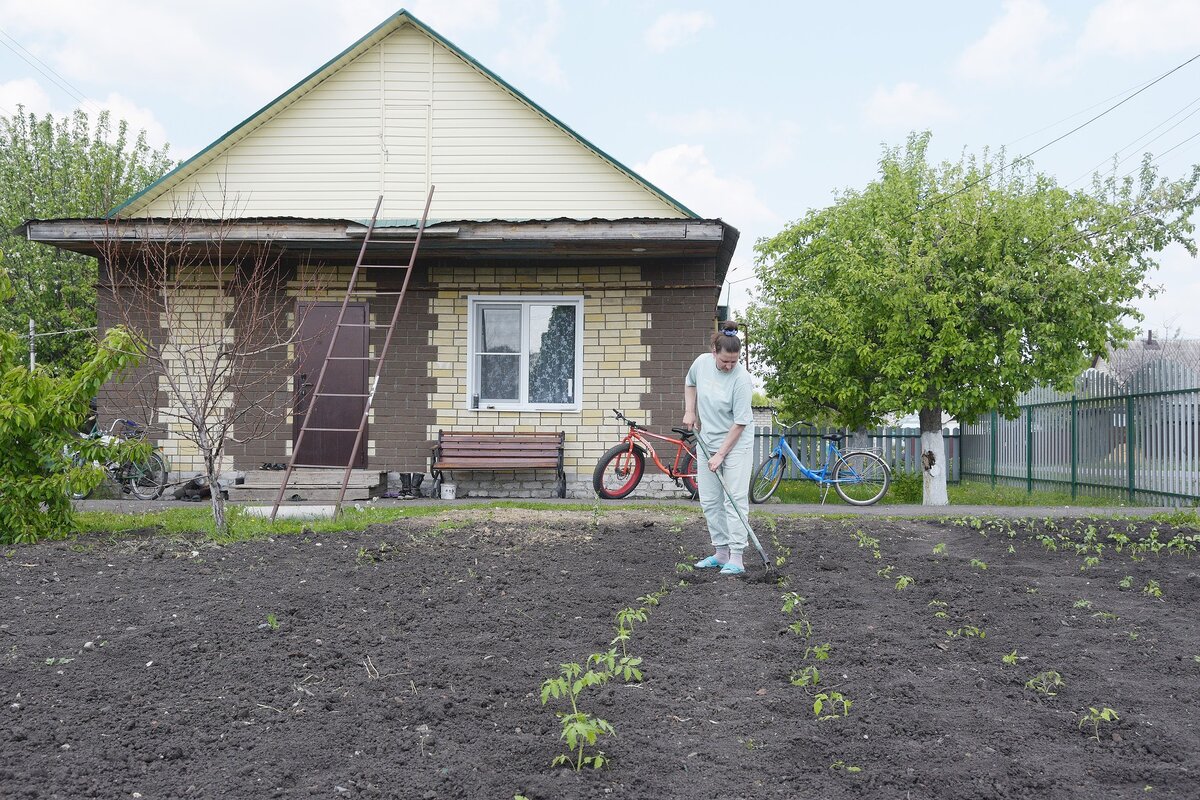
(1152, 589)
(272, 621)
(1010, 659)
(835, 700)
(842, 765)
(939, 548)
(904, 581)
(1083, 604)
(1096, 719)
(1031, 590)
(1046, 683)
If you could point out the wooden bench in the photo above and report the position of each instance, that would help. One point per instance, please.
(498, 452)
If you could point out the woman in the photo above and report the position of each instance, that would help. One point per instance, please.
(717, 395)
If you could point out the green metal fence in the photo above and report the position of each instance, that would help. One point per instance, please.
(1138, 441)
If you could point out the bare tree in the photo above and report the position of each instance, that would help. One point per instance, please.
(217, 309)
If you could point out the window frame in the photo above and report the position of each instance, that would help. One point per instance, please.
(474, 302)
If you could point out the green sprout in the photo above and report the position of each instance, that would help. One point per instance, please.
(835, 700)
(1046, 683)
(1096, 719)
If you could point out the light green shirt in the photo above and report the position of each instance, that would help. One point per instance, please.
(722, 401)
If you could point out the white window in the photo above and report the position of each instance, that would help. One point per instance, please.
(526, 353)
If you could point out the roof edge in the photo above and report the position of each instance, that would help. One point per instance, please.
(383, 29)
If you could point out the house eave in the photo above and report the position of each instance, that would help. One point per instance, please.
(339, 239)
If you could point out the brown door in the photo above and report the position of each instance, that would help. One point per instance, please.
(345, 378)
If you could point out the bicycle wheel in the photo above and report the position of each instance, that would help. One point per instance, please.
(618, 472)
(687, 466)
(766, 478)
(147, 479)
(861, 478)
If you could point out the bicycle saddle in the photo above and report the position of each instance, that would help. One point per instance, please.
(684, 432)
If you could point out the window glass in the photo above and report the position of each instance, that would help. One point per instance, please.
(525, 352)
(552, 354)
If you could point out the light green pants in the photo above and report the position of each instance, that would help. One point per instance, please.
(725, 528)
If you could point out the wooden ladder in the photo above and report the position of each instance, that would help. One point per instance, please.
(318, 388)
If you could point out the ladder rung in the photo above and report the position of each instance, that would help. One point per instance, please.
(356, 325)
(385, 266)
(332, 430)
(337, 394)
(350, 358)
(374, 293)
(316, 466)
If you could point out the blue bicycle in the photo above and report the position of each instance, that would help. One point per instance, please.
(858, 476)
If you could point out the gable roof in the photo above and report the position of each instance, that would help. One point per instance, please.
(207, 158)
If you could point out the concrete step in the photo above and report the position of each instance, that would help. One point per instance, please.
(241, 494)
(317, 478)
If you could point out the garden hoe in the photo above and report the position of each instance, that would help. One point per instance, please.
(729, 497)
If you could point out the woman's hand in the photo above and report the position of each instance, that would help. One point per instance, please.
(689, 420)
(715, 462)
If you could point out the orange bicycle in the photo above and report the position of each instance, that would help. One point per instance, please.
(620, 470)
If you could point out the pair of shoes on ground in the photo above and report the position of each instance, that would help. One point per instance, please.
(727, 568)
(273, 466)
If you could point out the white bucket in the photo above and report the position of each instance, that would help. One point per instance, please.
(449, 491)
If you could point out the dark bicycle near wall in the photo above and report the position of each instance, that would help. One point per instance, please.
(143, 478)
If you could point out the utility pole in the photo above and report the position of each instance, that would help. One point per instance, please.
(32, 349)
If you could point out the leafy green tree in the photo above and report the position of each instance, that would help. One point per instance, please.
(39, 415)
(951, 289)
(63, 168)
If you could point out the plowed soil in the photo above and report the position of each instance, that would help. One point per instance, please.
(406, 662)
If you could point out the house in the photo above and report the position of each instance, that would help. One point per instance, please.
(535, 236)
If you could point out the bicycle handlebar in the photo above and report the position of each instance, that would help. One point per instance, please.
(789, 425)
(627, 420)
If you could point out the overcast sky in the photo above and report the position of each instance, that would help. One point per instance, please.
(753, 112)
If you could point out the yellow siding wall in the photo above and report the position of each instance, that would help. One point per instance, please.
(407, 113)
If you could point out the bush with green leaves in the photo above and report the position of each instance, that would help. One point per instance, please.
(40, 415)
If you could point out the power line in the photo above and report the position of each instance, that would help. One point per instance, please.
(1057, 139)
(1143, 136)
(46, 70)
(1077, 113)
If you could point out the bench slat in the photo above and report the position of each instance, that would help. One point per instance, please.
(498, 452)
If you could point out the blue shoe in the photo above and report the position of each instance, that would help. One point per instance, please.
(708, 563)
(729, 568)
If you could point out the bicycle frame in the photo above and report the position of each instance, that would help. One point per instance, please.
(821, 474)
(643, 437)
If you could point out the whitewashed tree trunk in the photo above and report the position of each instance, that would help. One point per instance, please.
(933, 458)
